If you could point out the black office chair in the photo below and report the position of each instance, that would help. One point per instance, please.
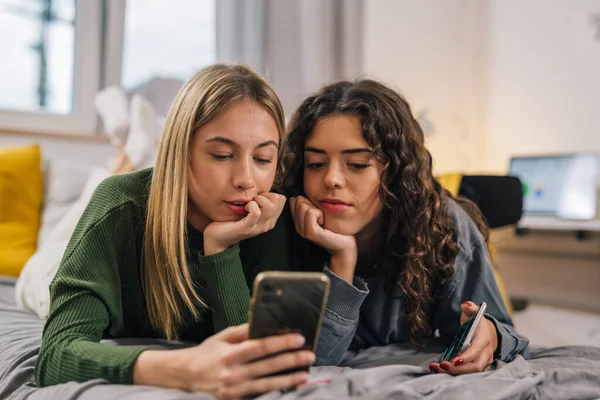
(499, 197)
(500, 200)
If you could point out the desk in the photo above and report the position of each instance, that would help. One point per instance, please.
(557, 224)
(551, 265)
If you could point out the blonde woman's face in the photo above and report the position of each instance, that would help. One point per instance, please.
(232, 160)
(341, 175)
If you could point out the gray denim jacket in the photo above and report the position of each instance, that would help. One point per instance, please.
(363, 315)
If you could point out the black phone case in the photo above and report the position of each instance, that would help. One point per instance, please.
(458, 341)
(287, 305)
(460, 337)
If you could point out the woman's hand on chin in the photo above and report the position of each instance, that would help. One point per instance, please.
(263, 212)
(308, 220)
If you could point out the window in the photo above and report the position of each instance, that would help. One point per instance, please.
(57, 54)
(37, 42)
(50, 68)
(165, 43)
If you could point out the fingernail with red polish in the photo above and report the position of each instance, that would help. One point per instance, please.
(458, 362)
(434, 369)
(445, 367)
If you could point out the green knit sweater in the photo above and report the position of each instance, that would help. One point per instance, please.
(96, 293)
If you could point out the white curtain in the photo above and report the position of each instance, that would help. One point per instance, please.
(298, 45)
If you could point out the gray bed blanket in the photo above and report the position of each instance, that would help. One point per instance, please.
(380, 373)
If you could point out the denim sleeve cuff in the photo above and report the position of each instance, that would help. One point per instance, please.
(507, 343)
(345, 299)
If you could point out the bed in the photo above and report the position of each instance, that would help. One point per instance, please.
(379, 373)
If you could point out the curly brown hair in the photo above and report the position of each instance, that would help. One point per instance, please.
(418, 245)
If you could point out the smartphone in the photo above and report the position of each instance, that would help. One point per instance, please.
(464, 336)
(289, 302)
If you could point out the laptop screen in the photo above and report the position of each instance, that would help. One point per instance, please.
(563, 186)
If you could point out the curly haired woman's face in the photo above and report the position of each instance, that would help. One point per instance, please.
(341, 174)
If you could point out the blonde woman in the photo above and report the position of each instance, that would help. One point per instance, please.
(170, 253)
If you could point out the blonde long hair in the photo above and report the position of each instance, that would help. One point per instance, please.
(166, 279)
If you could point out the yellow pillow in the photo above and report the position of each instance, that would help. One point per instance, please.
(20, 206)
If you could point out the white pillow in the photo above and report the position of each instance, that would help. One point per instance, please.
(32, 290)
(63, 184)
(65, 228)
(65, 180)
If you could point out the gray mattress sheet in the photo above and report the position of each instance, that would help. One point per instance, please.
(378, 373)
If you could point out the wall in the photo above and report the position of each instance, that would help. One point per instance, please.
(499, 77)
(544, 79)
(432, 52)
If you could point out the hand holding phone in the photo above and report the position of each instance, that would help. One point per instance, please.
(464, 335)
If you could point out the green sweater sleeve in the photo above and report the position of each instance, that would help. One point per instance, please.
(229, 275)
(85, 302)
(227, 292)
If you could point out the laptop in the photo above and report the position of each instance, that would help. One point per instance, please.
(561, 186)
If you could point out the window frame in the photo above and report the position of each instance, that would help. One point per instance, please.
(114, 42)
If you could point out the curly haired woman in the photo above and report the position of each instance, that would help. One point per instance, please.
(406, 259)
